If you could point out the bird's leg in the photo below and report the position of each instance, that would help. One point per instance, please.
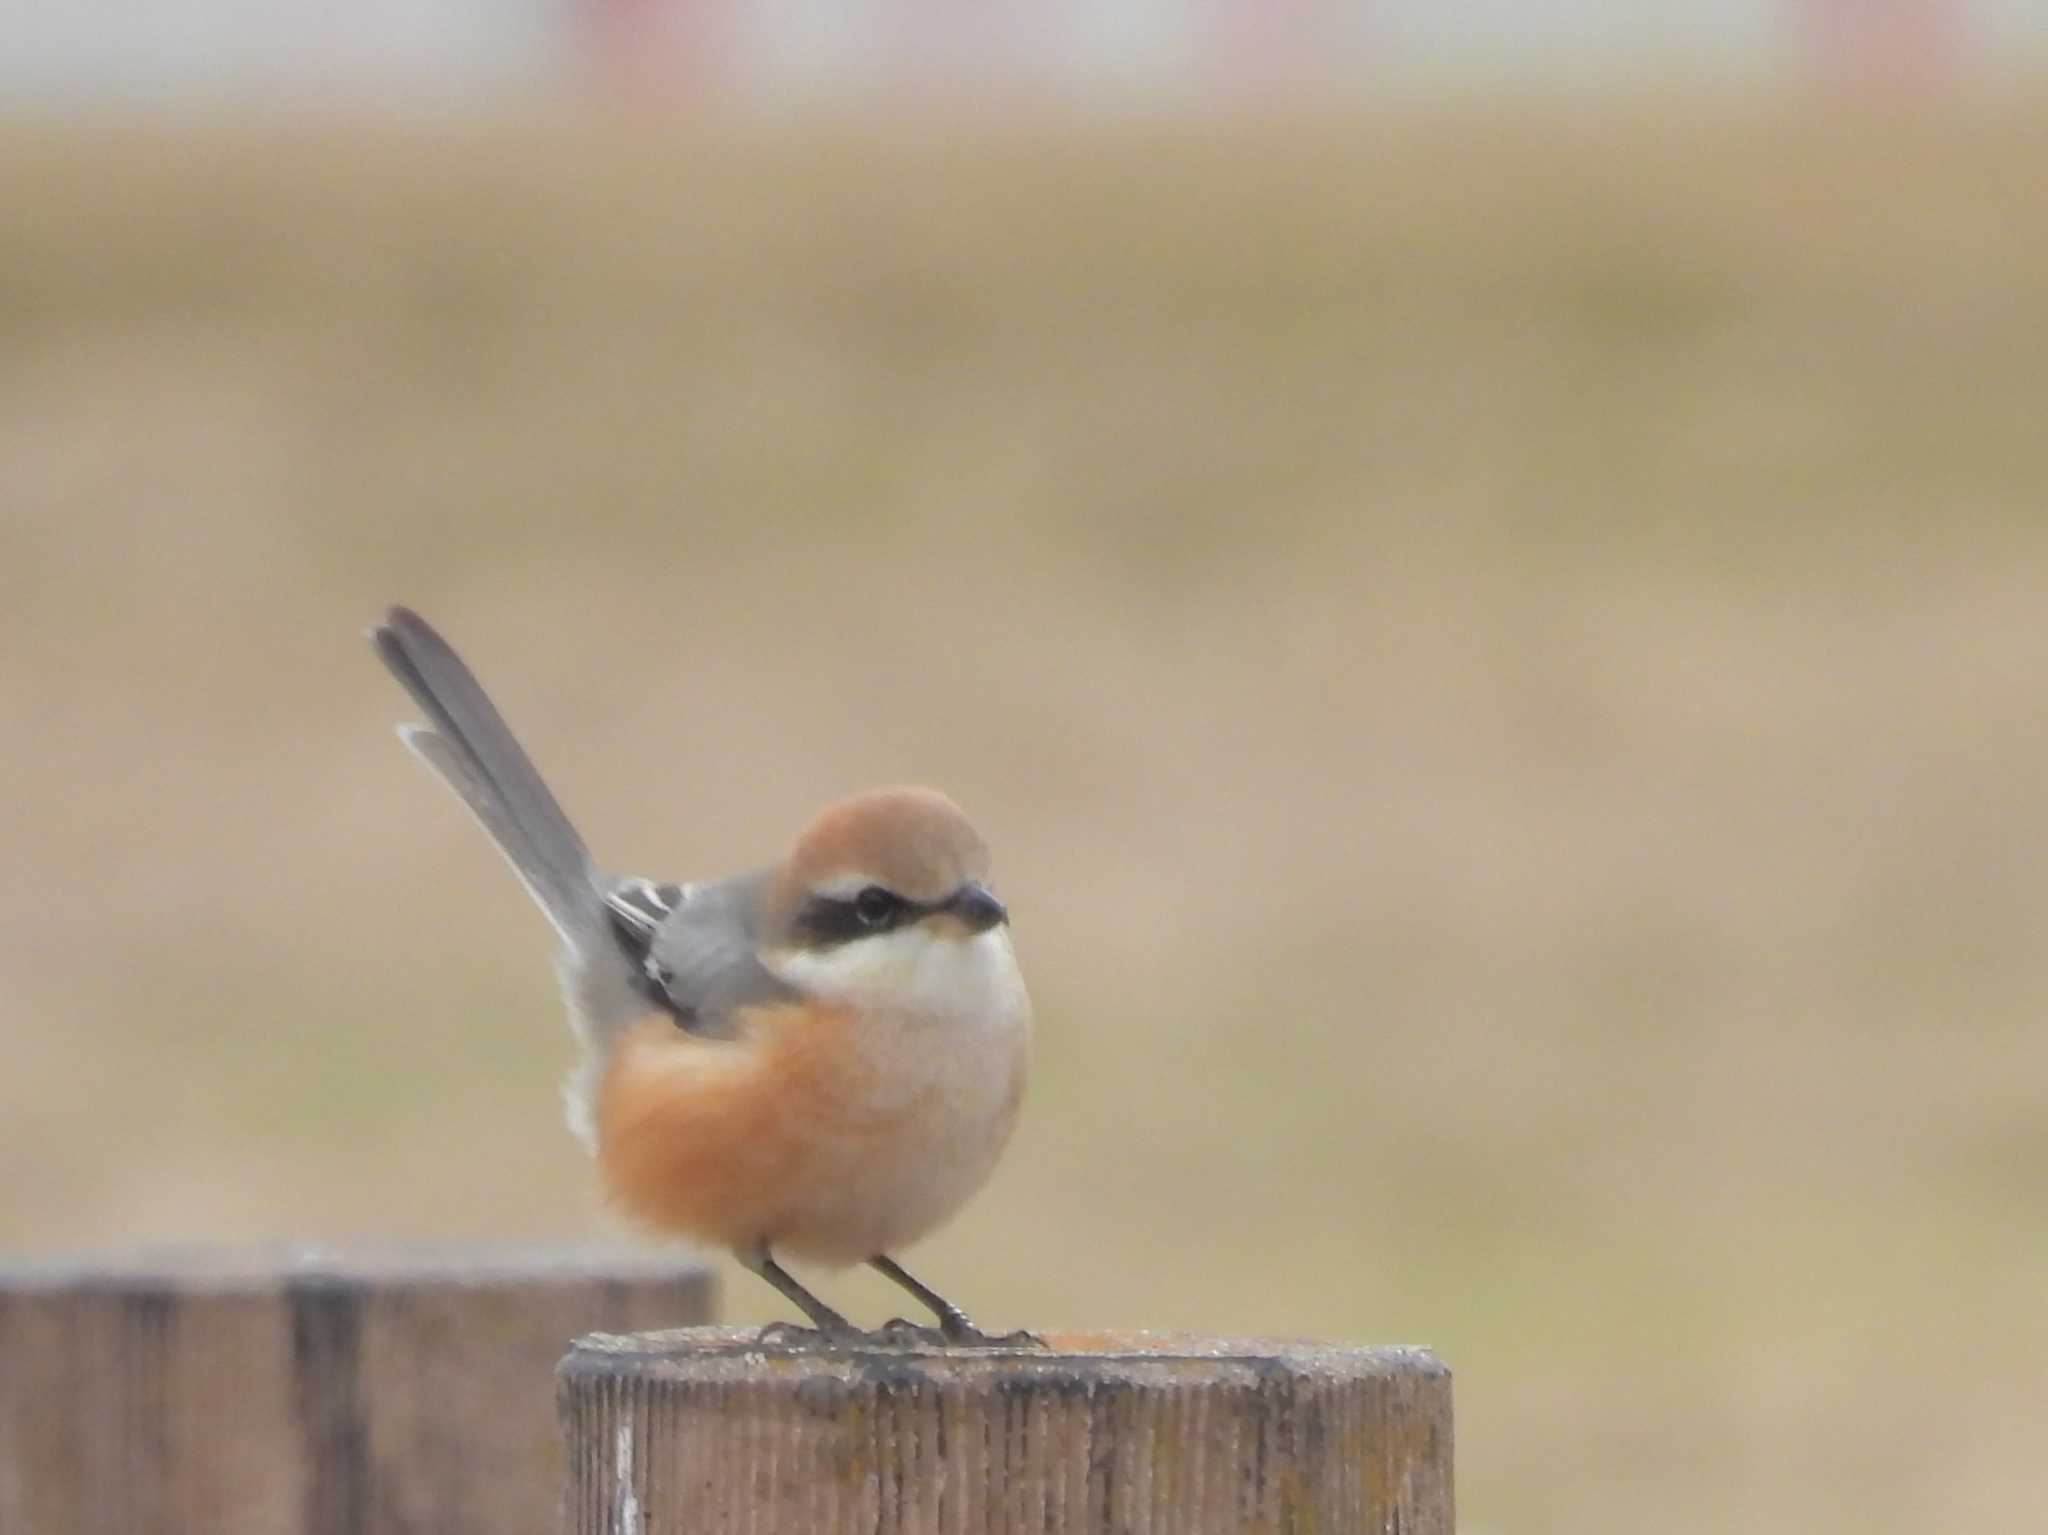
(831, 1326)
(954, 1326)
(951, 1318)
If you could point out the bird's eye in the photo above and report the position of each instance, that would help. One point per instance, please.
(875, 906)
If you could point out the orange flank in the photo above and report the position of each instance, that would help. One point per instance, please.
(712, 1139)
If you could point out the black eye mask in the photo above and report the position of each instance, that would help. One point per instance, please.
(830, 920)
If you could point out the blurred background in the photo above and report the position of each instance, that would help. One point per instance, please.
(1483, 566)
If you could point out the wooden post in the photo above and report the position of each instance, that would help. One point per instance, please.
(707, 1431)
(304, 1393)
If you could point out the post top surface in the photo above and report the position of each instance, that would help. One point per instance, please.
(739, 1353)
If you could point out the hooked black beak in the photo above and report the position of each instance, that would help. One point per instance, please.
(976, 906)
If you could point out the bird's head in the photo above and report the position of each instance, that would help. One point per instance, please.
(881, 898)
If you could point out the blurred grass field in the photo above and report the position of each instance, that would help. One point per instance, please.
(1504, 655)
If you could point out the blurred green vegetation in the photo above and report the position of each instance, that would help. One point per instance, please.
(1501, 653)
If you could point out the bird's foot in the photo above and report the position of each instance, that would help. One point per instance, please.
(897, 1332)
(953, 1332)
(796, 1335)
(958, 1332)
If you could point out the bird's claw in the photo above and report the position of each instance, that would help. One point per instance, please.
(897, 1332)
(964, 1334)
(950, 1333)
(796, 1335)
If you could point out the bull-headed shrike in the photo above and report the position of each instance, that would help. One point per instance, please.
(821, 1058)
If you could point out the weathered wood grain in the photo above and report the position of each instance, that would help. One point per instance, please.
(704, 1430)
(301, 1392)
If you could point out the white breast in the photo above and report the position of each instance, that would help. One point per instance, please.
(945, 1025)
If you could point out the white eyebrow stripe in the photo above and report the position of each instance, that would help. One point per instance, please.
(843, 887)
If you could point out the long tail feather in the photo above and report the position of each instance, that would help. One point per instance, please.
(475, 753)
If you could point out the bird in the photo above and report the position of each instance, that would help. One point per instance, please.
(820, 1058)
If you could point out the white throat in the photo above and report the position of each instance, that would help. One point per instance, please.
(912, 971)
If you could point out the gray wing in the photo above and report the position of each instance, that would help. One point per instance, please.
(694, 949)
